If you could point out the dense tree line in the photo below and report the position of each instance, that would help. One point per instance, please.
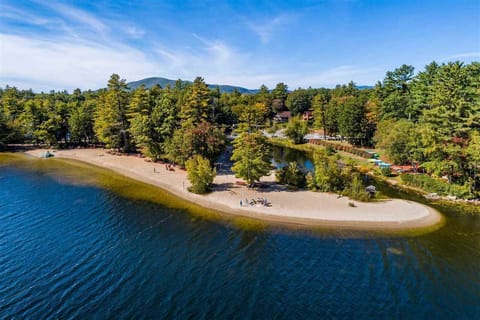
(431, 118)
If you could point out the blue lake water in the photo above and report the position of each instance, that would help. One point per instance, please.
(70, 248)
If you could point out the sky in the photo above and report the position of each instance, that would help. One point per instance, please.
(63, 45)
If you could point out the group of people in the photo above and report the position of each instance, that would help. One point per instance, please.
(259, 201)
(168, 167)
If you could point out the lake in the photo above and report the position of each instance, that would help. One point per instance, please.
(80, 242)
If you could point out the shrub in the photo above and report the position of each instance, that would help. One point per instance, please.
(386, 171)
(429, 184)
(291, 175)
(200, 174)
(330, 149)
(356, 189)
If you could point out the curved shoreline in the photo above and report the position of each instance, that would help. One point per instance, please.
(305, 208)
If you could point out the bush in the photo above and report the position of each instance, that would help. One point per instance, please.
(426, 183)
(200, 174)
(429, 184)
(291, 175)
(296, 130)
(330, 149)
(356, 189)
(386, 171)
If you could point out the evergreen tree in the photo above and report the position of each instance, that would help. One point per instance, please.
(299, 101)
(395, 95)
(197, 105)
(251, 156)
(81, 122)
(320, 105)
(111, 124)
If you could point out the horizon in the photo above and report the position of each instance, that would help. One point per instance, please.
(58, 46)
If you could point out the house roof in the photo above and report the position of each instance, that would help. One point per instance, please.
(284, 114)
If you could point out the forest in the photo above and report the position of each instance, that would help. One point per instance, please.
(430, 118)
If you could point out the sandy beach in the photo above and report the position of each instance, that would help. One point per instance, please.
(294, 207)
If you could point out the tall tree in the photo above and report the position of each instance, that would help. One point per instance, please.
(153, 125)
(197, 105)
(250, 116)
(352, 121)
(251, 156)
(205, 139)
(111, 124)
(320, 104)
(299, 101)
(395, 95)
(81, 121)
(296, 130)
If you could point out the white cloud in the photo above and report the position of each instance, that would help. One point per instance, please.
(266, 30)
(336, 75)
(82, 17)
(134, 32)
(68, 65)
(461, 56)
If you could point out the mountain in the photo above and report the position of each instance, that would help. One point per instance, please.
(365, 87)
(163, 82)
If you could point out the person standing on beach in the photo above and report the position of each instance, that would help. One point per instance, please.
(241, 204)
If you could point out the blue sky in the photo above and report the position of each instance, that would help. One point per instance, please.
(47, 45)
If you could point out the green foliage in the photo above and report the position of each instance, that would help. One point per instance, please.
(296, 130)
(251, 156)
(280, 92)
(386, 171)
(200, 174)
(436, 185)
(81, 122)
(330, 178)
(330, 150)
(250, 116)
(197, 106)
(356, 189)
(353, 122)
(320, 107)
(432, 118)
(153, 120)
(299, 101)
(111, 125)
(4, 130)
(291, 175)
(395, 94)
(205, 139)
(399, 139)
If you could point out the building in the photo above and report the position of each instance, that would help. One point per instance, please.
(307, 115)
(283, 116)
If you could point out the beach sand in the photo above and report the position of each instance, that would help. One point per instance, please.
(292, 207)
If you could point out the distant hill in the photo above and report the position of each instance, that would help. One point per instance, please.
(163, 82)
(365, 87)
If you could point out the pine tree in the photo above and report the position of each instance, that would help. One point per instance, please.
(111, 124)
(197, 105)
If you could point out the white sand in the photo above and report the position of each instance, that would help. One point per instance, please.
(298, 207)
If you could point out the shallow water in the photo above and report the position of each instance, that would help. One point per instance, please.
(79, 242)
